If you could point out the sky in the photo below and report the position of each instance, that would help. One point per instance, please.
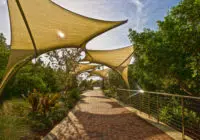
(140, 14)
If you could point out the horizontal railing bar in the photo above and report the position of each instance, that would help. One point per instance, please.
(164, 94)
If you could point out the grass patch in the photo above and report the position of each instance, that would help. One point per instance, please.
(13, 121)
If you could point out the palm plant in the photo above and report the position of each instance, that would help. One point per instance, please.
(48, 102)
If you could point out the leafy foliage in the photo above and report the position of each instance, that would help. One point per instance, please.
(43, 108)
(4, 53)
(43, 76)
(71, 97)
(115, 80)
(86, 84)
(66, 60)
(111, 92)
(170, 57)
(48, 109)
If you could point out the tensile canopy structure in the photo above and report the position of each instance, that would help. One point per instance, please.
(101, 73)
(39, 26)
(117, 60)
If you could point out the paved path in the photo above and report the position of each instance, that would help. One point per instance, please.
(99, 118)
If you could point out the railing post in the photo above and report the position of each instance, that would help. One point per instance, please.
(158, 111)
(183, 123)
(149, 111)
(140, 103)
(129, 97)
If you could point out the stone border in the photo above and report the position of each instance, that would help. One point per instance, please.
(176, 135)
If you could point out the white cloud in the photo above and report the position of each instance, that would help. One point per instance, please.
(141, 14)
(138, 4)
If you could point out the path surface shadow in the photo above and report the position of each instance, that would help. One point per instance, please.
(113, 104)
(125, 126)
(104, 119)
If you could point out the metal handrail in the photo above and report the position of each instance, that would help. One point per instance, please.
(163, 93)
(178, 111)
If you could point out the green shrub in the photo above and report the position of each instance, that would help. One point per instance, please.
(26, 83)
(43, 113)
(115, 80)
(49, 109)
(165, 115)
(173, 113)
(74, 94)
(86, 85)
(39, 122)
(110, 92)
(42, 103)
(71, 97)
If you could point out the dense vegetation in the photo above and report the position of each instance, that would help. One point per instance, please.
(169, 59)
(51, 77)
(112, 83)
(39, 95)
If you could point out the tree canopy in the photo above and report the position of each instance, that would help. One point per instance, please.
(169, 58)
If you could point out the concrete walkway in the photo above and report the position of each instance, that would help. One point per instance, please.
(99, 118)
